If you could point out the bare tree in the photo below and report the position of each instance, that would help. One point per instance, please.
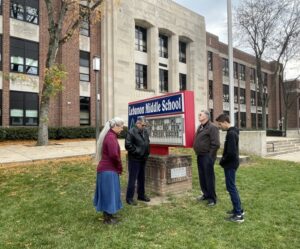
(270, 28)
(64, 20)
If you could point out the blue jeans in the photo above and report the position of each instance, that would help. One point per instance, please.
(233, 192)
(136, 173)
(207, 177)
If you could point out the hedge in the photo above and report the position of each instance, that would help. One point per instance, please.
(31, 133)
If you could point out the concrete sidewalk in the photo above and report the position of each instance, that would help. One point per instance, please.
(22, 153)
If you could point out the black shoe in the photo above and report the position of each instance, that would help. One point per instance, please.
(108, 219)
(231, 212)
(201, 198)
(145, 198)
(236, 218)
(211, 203)
(131, 202)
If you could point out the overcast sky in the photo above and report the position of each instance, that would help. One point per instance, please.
(215, 13)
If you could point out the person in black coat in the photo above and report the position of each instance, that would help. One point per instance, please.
(137, 144)
(230, 163)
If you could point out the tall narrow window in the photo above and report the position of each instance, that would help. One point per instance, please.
(242, 72)
(25, 10)
(24, 56)
(225, 67)
(253, 120)
(182, 52)
(235, 95)
(210, 60)
(0, 7)
(259, 121)
(252, 75)
(243, 119)
(211, 111)
(210, 89)
(242, 96)
(182, 82)
(140, 39)
(0, 106)
(265, 78)
(0, 51)
(253, 98)
(84, 63)
(225, 93)
(23, 108)
(84, 24)
(84, 111)
(163, 80)
(235, 70)
(140, 76)
(163, 46)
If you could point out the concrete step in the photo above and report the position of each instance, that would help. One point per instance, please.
(279, 152)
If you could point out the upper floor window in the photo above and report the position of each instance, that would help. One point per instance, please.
(163, 80)
(182, 52)
(23, 108)
(210, 60)
(163, 46)
(225, 93)
(24, 56)
(25, 10)
(252, 75)
(235, 70)
(84, 62)
(242, 96)
(225, 67)
(182, 82)
(253, 120)
(235, 95)
(140, 76)
(85, 27)
(243, 119)
(0, 51)
(265, 78)
(0, 7)
(253, 98)
(242, 72)
(210, 89)
(140, 39)
(84, 111)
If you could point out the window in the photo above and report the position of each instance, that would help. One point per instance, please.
(242, 72)
(140, 76)
(163, 80)
(265, 78)
(182, 82)
(252, 75)
(253, 98)
(84, 111)
(253, 120)
(0, 7)
(163, 46)
(242, 96)
(0, 51)
(259, 102)
(236, 95)
(140, 39)
(182, 52)
(225, 67)
(24, 108)
(24, 56)
(210, 89)
(225, 93)
(25, 10)
(84, 24)
(84, 63)
(210, 60)
(236, 119)
(211, 111)
(259, 119)
(235, 70)
(243, 119)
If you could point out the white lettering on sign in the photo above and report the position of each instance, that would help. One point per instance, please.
(178, 172)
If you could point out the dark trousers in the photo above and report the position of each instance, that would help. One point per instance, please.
(207, 177)
(233, 192)
(136, 173)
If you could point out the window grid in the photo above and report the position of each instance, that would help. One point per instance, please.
(25, 10)
(225, 68)
(84, 62)
(242, 72)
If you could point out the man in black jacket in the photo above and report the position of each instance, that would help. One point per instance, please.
(230, 163)
(206, 145)
(137, 144)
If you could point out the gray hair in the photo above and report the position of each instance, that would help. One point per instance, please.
(116, 121)
(141, 119)
(207, 113)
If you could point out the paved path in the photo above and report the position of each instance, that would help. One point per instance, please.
(294, 156)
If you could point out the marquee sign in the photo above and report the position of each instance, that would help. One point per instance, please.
(170, 118)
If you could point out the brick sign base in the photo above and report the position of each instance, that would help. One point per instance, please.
(169, 174)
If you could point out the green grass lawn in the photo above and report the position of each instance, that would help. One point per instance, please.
(50, 206)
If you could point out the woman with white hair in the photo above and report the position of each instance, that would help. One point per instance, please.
(108, 194)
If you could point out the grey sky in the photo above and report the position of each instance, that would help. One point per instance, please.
(215, 13)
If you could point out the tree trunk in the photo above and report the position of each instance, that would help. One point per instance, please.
(43, 122)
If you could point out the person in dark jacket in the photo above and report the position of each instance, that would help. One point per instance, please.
(230, 163)
(206, 145)
(108, 194)
(138, 146)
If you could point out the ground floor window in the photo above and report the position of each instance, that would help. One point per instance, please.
(84, 111)
(253, 120)
(24, 108)
(243, 119)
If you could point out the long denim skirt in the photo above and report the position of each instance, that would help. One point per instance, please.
(108, 192)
